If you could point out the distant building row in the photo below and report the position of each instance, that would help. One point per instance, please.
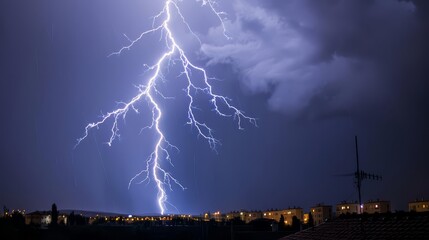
(319, 213)
(248, 216)
(379, 207)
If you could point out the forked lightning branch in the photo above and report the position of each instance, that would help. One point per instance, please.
(148, 92)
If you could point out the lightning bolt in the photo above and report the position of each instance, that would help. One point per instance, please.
(154, 170)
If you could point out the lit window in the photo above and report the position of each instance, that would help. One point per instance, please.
(265, 214)
(343, 207)
(250, 215)
(348, 207)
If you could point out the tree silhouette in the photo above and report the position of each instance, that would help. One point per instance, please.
(18, 219)
(71, 219)
(5, 210)
(237, 221)
(310, 220)
(282, 224)
(296, 224)
(54, 215)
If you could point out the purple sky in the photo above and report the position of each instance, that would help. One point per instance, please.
(314, 73)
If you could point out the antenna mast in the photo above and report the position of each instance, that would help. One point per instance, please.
(357, 175)
(361, 175)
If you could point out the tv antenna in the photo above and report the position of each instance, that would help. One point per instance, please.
(361, 175)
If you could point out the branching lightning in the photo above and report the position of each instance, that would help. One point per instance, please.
(154, 170)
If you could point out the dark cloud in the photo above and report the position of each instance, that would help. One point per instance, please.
(326, 57)
(360, 63)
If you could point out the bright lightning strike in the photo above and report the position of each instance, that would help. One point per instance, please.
(154, 170)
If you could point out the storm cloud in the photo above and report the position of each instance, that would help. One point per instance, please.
(318, 58)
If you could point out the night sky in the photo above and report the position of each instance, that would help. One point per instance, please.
(314, 74)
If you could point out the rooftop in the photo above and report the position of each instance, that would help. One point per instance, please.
(375, 226)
